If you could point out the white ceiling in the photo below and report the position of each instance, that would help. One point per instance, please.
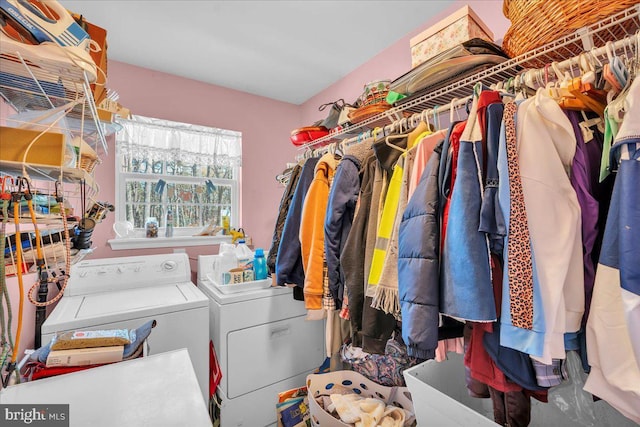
(284, 50)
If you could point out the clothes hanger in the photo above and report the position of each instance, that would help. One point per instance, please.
(401, 124)
(589, 95)
(616, 65)
(436, 120)
(453, 107)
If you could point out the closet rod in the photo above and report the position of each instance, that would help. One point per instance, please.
(407, 122)
(631, 41)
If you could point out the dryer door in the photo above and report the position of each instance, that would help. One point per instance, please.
(269, 353)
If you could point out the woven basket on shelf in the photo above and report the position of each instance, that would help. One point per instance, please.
(535, 23)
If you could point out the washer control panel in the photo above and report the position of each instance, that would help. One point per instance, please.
(101, 275)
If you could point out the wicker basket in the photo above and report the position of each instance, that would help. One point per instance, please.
(535, 23)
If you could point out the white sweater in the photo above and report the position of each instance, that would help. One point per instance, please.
(546, 147)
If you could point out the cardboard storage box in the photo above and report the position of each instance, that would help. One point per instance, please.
(46, 150)
(85, 356)
(459, 27)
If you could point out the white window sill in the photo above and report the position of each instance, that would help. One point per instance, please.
(166, 242)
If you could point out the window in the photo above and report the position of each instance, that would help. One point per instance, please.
(191, 169)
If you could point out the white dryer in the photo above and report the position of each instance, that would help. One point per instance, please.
(126, 292)
(264, 346)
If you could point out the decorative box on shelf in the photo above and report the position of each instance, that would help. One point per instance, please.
(458, 27)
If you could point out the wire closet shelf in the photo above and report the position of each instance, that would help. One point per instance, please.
(587, 39)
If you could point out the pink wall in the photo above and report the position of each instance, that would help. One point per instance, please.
(396, 59)
(265, 125)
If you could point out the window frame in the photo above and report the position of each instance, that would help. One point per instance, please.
(180, 233)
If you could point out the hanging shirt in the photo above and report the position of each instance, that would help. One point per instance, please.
(546, 148)
(423, 151)
(613, 327)
(465, 280)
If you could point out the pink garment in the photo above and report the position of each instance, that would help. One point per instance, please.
(455, 345)
(423, 150)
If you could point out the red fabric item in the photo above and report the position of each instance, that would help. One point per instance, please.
(486, 98)
(454, 139)
(215, 373)
(482, 366)
(40, 370)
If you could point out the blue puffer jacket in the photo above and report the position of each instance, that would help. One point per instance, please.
(418, 264)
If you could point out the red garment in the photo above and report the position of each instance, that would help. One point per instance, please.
(486, 98)
(482, 366)
(454, 140)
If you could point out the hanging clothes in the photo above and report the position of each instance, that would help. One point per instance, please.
(447, 173)
(340, 212)
(312, 235)
(546, 147)
(423, 151)
(589, 208)
(377, 326)
(613, 327)
(491, 219)
(418, 264)
(289, 267)
(466, 291)
(383, 277)
(285, 202)
(352, 257)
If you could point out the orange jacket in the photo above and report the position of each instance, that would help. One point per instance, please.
(312, 231)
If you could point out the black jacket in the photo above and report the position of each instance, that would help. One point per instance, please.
(352, 256)
(282, 216)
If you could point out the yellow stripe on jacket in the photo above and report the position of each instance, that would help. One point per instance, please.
(386, 223)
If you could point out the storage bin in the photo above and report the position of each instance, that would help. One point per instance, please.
(458, 27)
(441, 398)
(319, 384)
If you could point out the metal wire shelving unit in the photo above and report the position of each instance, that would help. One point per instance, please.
(588, 39)
(33, 83)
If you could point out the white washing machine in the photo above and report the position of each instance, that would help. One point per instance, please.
(264, 346)
(127, 292)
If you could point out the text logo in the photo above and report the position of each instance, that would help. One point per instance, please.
(34, 415)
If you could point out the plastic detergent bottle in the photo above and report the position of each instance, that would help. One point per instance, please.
(244, 254)
(227, 260)
(259, 265)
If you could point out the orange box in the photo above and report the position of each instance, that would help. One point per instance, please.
(457, 28)
(46, 150)
(99, 35)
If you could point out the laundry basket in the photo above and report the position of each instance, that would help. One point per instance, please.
(535, 23)
(319, 384)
